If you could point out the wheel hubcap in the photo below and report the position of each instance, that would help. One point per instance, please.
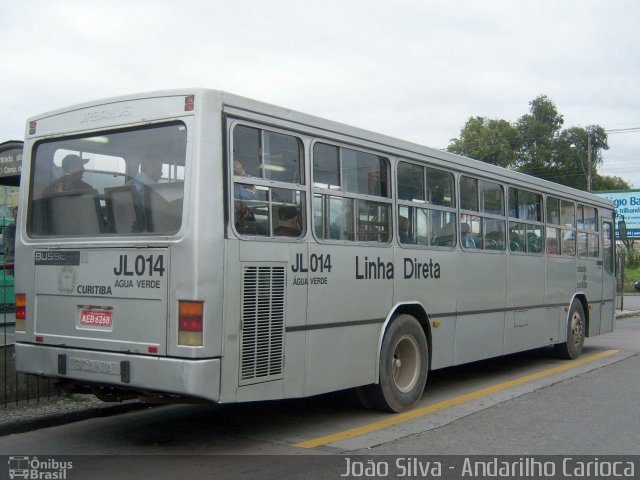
(406, 364)
(577, 329)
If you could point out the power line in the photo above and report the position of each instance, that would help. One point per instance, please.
(620, 125)
(622, 130)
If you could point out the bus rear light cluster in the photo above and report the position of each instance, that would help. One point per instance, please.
(21, 312)
(190, 319)
(189, 103)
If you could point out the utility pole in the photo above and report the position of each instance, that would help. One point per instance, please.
(588, 172)
(589, 163)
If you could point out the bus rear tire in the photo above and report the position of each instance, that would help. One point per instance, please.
(576, 327)
(404, 365)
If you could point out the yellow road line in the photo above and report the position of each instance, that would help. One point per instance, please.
(452, 402)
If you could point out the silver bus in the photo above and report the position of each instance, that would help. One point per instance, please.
(197, 244)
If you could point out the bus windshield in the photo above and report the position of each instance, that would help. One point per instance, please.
(125, 182)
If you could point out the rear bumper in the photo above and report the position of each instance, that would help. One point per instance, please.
(193, 378)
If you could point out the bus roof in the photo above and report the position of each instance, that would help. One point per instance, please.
(239, 105)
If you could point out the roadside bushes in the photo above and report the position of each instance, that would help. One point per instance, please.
(632, 259)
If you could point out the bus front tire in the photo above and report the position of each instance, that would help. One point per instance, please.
(576, 328)
(404, 365)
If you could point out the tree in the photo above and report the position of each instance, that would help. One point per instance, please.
(607, 183)
(537, 145)
(492, 141)
(572, 159)
(538, 130)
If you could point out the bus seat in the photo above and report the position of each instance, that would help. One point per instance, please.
(124, 211)
(162, 216)
(74, 214)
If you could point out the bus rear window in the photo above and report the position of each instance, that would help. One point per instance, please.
(125, 182)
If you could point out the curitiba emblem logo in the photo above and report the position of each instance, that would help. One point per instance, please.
(67, 280)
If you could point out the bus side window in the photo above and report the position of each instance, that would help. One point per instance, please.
(351, 172)
(259, 210)
(246, 150)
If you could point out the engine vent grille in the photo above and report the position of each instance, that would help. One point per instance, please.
(262, 330)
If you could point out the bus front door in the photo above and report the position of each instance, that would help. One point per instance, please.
(608, 277)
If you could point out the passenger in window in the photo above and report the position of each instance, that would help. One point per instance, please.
(242, 191)
(374, 183)
(534, 243)
(437, 197)
(149, 175)
(552, 246)
(245, 220)
(290, 220)
(403, 227)
(71, 179)
(516, 242)
(443, 236)
(238, 169)
(467, 239)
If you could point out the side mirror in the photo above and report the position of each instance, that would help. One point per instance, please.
(622, 229)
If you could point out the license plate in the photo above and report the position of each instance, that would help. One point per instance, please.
(96, 318)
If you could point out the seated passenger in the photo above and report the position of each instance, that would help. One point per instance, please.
(149, 175)
(403, 226)
(245, 220)
(71, 180)
(290, 222)
(444, 236)
(467, 239)
(242, 191)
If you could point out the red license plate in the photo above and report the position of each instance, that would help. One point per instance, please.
(96, 318)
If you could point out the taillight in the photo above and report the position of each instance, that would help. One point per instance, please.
(21, 312)
(189, 103)
(190, 323)
(32, 128)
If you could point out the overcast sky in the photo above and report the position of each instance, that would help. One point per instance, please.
(412, 69)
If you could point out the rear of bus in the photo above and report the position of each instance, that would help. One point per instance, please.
(110, 296)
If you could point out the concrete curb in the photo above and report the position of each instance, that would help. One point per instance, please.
(626, 313)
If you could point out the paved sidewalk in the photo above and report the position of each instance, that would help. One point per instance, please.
(626, 313)
(32, 416)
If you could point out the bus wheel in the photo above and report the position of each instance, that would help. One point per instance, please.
(404, 364)
(576, 327)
